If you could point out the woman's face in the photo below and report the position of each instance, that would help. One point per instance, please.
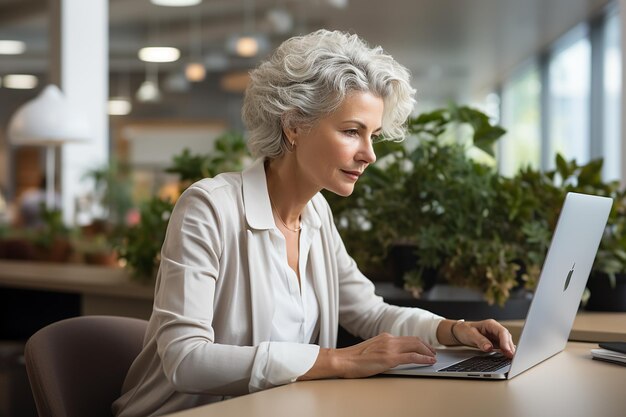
(336, 150)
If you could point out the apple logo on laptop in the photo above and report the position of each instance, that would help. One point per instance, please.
(569, 277)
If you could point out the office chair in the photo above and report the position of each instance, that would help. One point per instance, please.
(76, 366)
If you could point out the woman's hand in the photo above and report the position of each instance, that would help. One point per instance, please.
(485, 335)
(370, 357)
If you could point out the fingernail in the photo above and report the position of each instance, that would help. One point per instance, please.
(432, 360)
(486, 346)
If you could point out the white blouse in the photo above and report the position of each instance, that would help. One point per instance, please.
(211, 334)
(296, 310)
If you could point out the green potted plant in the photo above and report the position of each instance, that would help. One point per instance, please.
(107, 207)
(140, 248)
(439, 198)
(49, 241)
(436, 195)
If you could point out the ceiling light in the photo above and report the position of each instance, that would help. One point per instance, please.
(12, 47)
(176, 3)
(251, 43)
(248, 46)
(148, 92)
(159, 54)
(195, 72)
(20, 81)
(119, 106)
(339, 4)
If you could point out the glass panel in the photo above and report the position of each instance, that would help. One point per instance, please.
(570, 72)
(521, 117)
(612, 99)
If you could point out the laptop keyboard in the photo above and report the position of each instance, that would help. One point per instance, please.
(479, 364)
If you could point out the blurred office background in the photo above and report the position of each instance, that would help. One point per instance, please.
(548, 71)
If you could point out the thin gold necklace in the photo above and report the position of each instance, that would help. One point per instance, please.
(296, 230)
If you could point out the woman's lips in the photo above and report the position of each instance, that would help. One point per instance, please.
(353, 175)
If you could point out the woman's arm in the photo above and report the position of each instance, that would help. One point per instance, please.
(184, 309)
(385, 351)
(484, 335)
(370, 357)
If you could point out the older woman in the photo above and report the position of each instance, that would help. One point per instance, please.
(254, 278)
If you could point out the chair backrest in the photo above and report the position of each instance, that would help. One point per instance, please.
(77, 366)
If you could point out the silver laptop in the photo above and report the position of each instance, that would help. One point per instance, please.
(551, 314)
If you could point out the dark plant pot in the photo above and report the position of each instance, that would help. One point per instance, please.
(515, 307)
(603, 296)
(101, 258)
(18, 249)
(59, 252)
(403, 259)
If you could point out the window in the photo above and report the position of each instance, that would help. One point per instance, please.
(611, 145)
(569, 85)
(521, 146)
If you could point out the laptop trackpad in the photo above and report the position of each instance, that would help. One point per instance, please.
(445, 357)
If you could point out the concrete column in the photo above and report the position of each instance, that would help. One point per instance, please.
(79, 65)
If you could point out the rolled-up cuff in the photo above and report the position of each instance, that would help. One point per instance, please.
(279, 363)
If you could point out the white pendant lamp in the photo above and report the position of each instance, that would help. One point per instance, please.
(48, 120)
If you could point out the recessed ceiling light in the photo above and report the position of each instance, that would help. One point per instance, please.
(159, 54)
(339, 4)
(12, 47)
(119, 106)
(176, 3)
(20, 81)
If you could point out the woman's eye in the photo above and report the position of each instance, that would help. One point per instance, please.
(351, 132)
(375, 138)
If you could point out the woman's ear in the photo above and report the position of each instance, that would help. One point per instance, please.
(290, 130)
(291, 133)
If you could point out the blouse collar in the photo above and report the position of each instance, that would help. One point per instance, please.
(256, 200)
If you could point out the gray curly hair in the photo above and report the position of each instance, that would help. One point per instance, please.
(309, 76)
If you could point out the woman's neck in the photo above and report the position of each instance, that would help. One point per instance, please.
(288, 192)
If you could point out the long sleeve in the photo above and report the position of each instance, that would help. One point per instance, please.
(191, 261)
(365, 314)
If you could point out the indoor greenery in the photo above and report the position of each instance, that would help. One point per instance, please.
(439, 193)
(112, 195)
(142, 244)
(48, 240)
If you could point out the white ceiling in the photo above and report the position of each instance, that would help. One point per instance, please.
(454, 48)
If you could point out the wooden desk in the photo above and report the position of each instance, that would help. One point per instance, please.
(103, 290)
(569, 384)
(588, 327)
